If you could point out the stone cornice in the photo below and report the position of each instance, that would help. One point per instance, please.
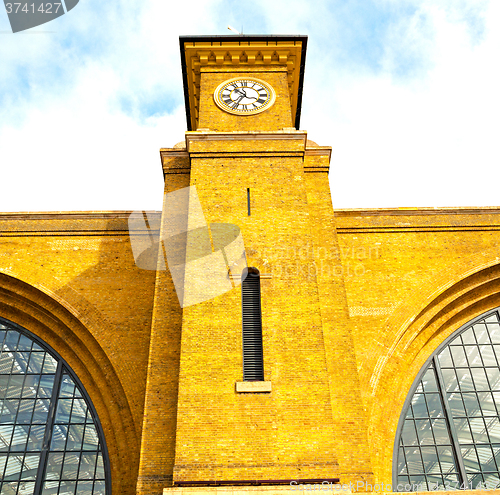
(238, 144)
(410, 211)
(77, 223)
(394, 220)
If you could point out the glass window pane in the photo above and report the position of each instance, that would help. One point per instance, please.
(67, 488)
(434, 405)
(59, 436)
(6, 432)
(88, 465)
(24, 410)
(486, 458)
(493, 378)
(480, 379)
(79, 411)
(458, 355)
(492, 481)
(446, 459)
(465, 379)
(99, 474)
(71, 463)
(463, 430)
(67, 387)
(84, 488)
(429, 381)
(430, 460)
(49, 364)
(41, 410)
(409, 434)
(450, 380)
(419, 406)
(481, 332)
(99, 488)
(46, 386)
(75, 437)
(487, 355)
(36, 362)
(35, 438)
(467, 337)
(54, 466)
(26, 488)
(445, 358)
(91, 440)
(414, 460)
(63, 412)
(493, 425)
(487, 403)
(471, 404)
(470, 459)
(471, 377)
(19, 438)
(402, 468)
(30, 388)
(456, 405)
(30, 466)
(440, 430)
(494, 331)
(478, 430)
(496, 348)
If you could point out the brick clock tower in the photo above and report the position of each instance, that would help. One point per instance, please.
(285, 405)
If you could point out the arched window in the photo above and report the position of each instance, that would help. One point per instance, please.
(253, 360)
(449, 430)
(51, 441)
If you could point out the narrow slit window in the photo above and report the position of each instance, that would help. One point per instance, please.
(253, 359)
(248, 200)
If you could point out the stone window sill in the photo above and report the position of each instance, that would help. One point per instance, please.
(253, 387)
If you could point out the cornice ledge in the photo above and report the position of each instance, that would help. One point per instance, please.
(319, 151)
(206, 135)
(173, 152)
(68, 215)
(403, 211)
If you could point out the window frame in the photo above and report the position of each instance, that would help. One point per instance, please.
(62, 368)
(433, 360)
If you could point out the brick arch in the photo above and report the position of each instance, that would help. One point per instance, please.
(419, 334)
(55, 320)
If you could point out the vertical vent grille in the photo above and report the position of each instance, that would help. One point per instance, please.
(253, 362)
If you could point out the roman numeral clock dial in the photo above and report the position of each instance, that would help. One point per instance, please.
(244, 96)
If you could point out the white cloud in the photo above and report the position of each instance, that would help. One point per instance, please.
(427, 140)
(412, 120)
(67, 139)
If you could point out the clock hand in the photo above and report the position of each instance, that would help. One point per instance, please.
(237, 102)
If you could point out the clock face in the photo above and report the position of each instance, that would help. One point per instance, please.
(244, 96)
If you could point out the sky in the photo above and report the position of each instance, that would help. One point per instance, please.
(405, 91)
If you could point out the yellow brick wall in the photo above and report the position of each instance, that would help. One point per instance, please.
(412, 278)
(353, 304)
(160, 413)
(71, 280)
(222, 434)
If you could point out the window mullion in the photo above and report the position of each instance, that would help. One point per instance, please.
(451, 424)
(48, 430)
